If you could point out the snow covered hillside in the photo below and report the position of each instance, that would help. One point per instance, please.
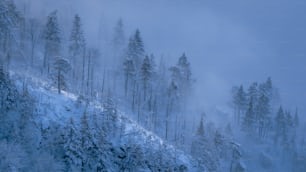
(90, 136)
(134, 86)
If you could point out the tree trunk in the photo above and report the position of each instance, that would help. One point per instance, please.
(133, 95)
(88, 74)
(83, 72)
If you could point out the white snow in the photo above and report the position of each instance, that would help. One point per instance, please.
(61, 107)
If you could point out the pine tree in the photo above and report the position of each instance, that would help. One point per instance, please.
(152, 87)
(266, 88)
(139, 48)
(289, 128)
(240, 102)
(185, 74)
(153, 63)
(184, 66)
(9, 21)
(9, 100)
(52, 39)
(253, 93)
(175, 74)
(52, 140)
(9, 15)
(200, 130)
(146, 75)
(236, 165)
(289, 120)
(86, 142)
(181, 76)
(26, 106)
(130, 158)
(77, 48)
(280, 122)
(132, 65)
(171, 97)
(249, 119)
(203, 151)
(8, 91)
(110, 112)
(73, 151)
(92, 156)
(135, 50)
(174, 92)
(61, 67)
(262, 111)
(270, 92)
(102, 154)
(129, 73)
(220, 143)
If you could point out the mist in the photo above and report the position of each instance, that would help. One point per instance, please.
(154, 85)
(228, 43)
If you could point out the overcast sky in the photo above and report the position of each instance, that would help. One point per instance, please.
(228, 42)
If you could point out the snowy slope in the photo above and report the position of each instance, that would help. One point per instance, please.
(53, 107)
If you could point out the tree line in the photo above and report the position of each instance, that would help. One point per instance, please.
(157, 94)
(260, 116)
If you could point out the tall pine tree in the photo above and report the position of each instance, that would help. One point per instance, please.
(146, 75)
(77, 49)
(52, 40)
(61, 67)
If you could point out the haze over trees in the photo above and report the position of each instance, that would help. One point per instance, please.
(68, 105)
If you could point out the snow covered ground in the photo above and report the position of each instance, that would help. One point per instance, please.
(60, 108)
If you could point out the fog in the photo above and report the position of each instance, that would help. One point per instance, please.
(228, 42)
